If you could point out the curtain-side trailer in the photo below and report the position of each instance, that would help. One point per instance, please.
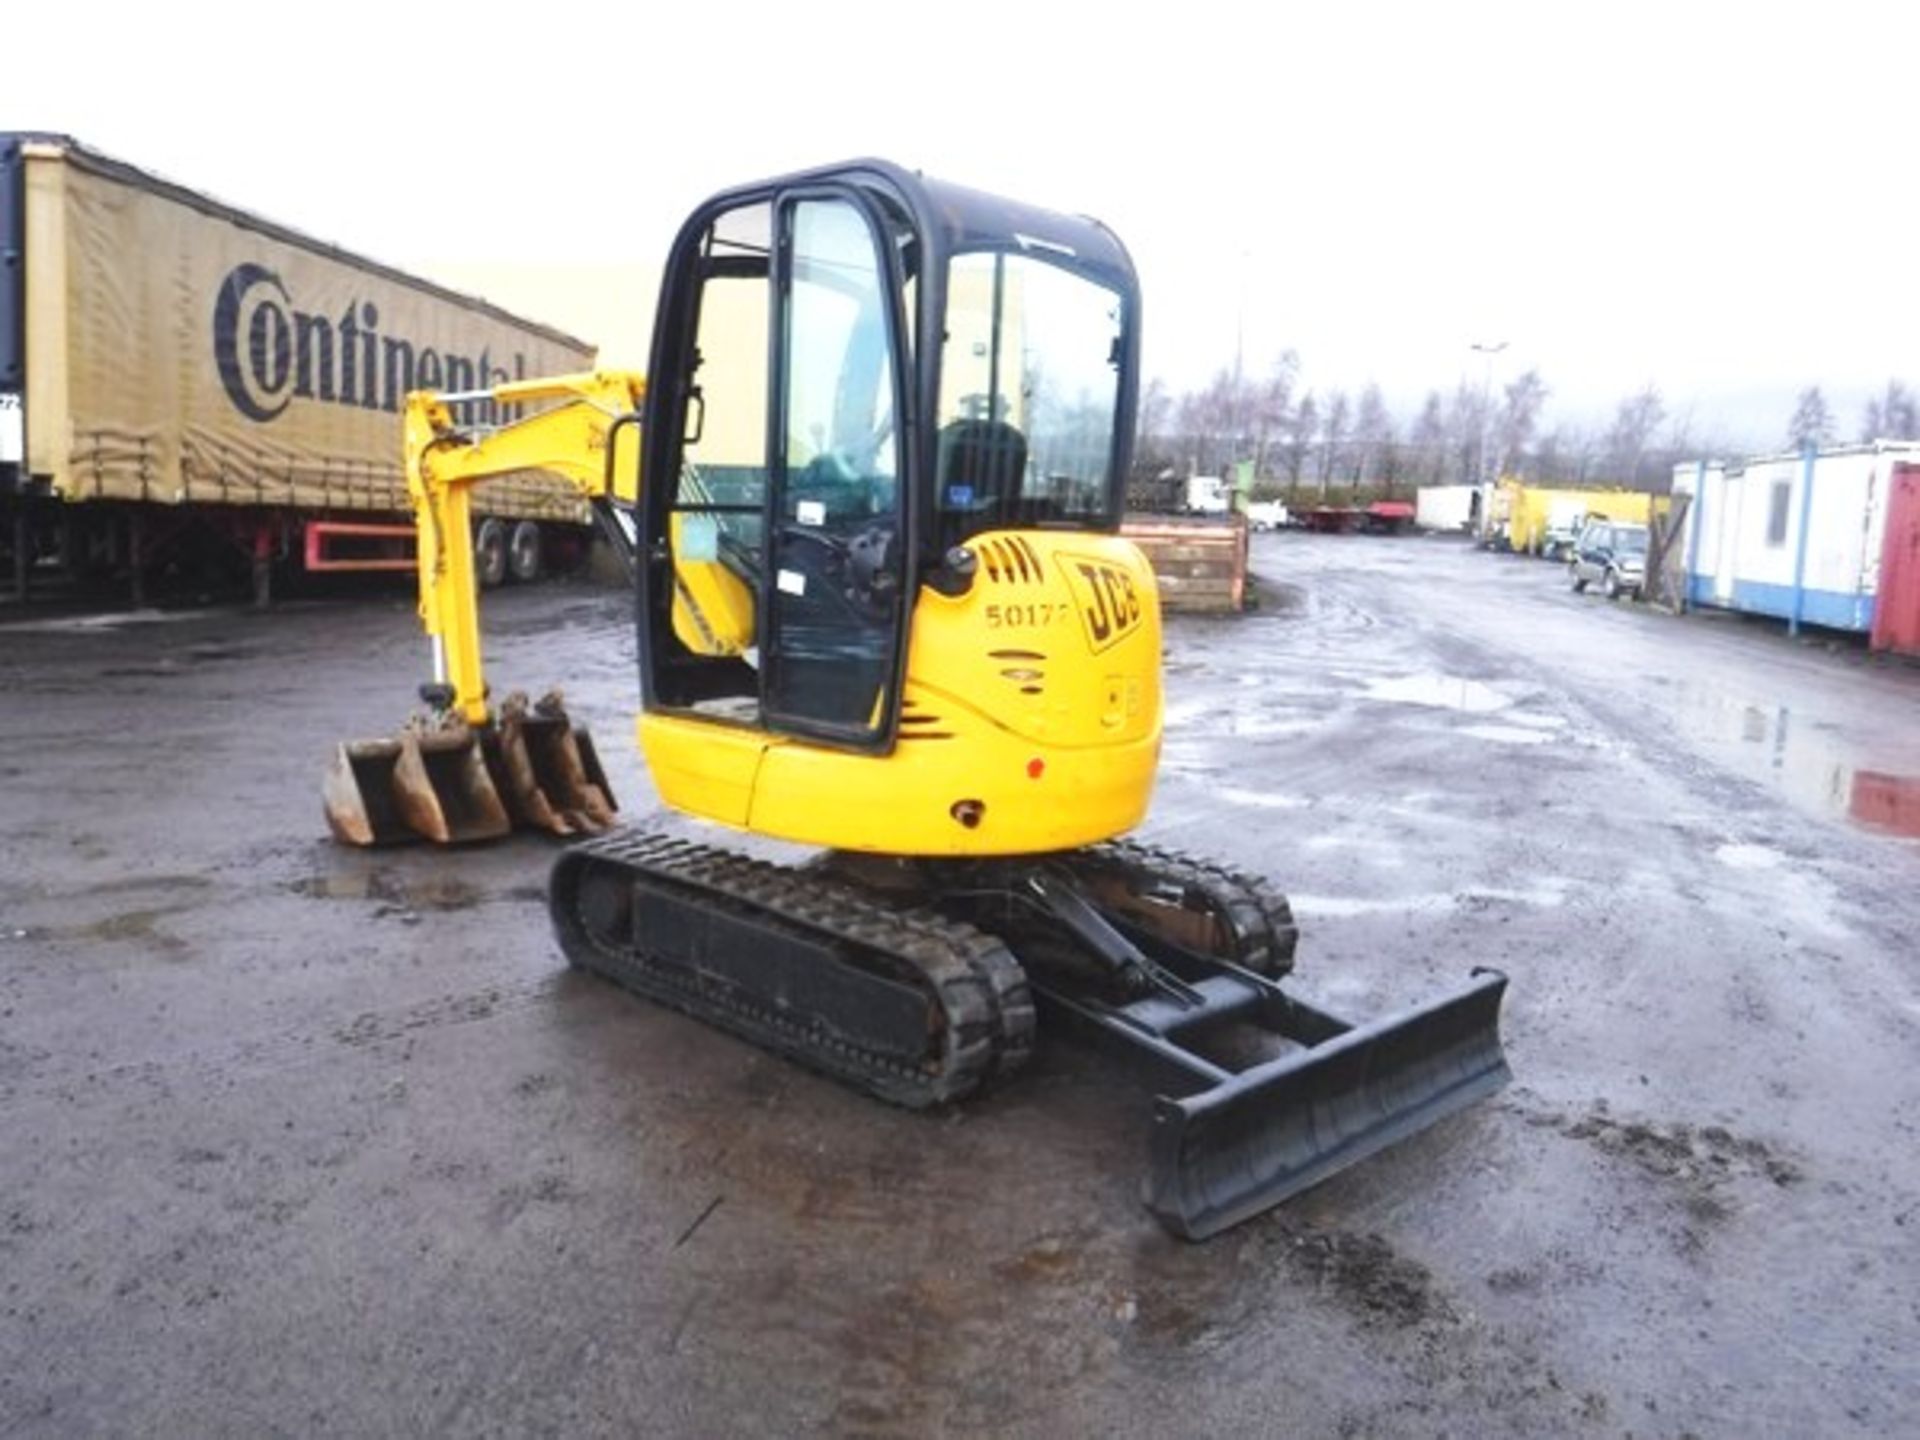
(182, 382)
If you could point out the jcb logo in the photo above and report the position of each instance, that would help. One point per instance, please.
(1104, 594)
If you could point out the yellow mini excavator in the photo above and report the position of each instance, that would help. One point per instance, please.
(870, 489)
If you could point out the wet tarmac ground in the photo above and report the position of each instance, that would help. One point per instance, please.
(302, 1140)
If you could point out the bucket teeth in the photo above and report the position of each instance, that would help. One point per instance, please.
(510, 759)
(533, 770)
(445, 790)
(552, 775)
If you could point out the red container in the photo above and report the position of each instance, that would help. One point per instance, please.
(1896, 608)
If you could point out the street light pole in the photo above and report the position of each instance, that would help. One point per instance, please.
(1489, 349)
(1240, 365)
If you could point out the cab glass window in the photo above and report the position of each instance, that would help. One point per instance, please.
(1029, 384)
(836, 557)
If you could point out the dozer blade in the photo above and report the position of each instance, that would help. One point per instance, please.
(432, 786)
(1269, 1132)
(550, 773)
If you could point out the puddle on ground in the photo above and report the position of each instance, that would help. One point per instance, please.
(1468, 697)
(1749, 857)
(1259, 799)
(1800, 758)
(1550, 892)
(1536, 722)
(1507, 734)
(1440, 692)
(1258, 726)
(84, 624)
(1885, 802)
(426, 892)
(165, 666)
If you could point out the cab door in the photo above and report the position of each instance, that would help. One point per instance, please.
(834, 599)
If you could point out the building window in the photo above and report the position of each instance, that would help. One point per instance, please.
(1777, 516)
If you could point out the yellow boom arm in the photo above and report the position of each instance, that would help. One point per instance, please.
(713, 609)
(568, 438)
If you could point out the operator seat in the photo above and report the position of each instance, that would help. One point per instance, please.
(981, 468)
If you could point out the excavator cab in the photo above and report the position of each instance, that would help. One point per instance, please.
(862, 371)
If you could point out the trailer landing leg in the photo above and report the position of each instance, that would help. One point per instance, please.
(262, 565)
(22, 552)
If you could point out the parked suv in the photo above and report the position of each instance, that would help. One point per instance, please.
(1613, 554)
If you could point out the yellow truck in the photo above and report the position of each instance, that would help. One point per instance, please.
(1539, 520)
(186, 384)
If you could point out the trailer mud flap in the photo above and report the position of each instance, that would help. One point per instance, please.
(432, 786)
(1226, 1154)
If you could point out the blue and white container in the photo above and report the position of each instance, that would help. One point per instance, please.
(1797, 537)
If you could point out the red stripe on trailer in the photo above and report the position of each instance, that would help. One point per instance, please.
(319, 532)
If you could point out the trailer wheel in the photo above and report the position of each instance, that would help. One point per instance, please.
(1579, 585)
(523, 552)
(490, 553)
(1611, 586)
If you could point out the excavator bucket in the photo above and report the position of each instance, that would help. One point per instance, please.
(433, 786)
(1269, 1132)
(550, 773)
(533, 768)
(358, 794)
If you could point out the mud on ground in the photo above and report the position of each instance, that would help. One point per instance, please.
(300, 1139)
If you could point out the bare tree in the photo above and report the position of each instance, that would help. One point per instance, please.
(1812, 422)
(1519, 415)
(1153, 446)
(1302, 427)
(1272, 411)
(1204, 425)
(1634, 425)
(1372, 435)
(1151, 485)
(1333, 436)
(1891, 416)
(1466, 433)
(1556, 456)
(1429, 441)
(1155, 410)
(1296, 437)
(1678, 444)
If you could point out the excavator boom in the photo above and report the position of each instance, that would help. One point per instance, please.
(464, 769)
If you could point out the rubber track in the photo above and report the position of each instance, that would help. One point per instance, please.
(1258, 917)
(979, 989)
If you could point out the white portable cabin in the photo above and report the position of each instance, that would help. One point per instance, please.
(1446, 507)
(1798, 537)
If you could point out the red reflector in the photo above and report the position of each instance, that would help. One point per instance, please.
(1036, 768)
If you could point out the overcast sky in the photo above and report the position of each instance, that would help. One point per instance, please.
(1716, 199)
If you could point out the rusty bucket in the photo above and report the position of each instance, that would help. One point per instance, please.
(548, 769)
(420, 785)
(452, 783)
